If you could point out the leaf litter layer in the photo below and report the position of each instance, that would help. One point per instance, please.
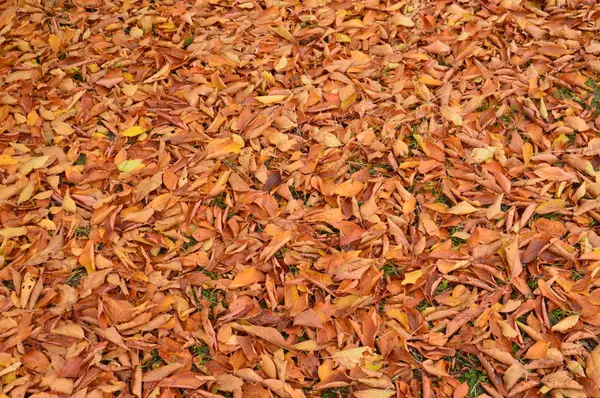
(299, 199)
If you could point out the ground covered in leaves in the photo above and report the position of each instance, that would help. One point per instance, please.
(320, 198)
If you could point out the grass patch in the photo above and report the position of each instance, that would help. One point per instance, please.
(81, 160)
(412, 142)
(154, 362)
(549, 216)
(508, 117)
(9, 285)
(533, 282)
(515, 347)
(213, 297)
(474, 377)
(336, 392)
(563, 93)
(416, 354)
(485, 104)
(219, 201)
(456, 241)
(443, 286)
(381, 305)
(298, 195)
(187, 42)
(355, 165)
(577, 275)
(212, 275)
(201, 352)
(281, 252)
(589, 344)
(75, 278)
(83, 232)
(422, 305)
(381, 169)
(191, 242)
(595, 102)
(443, 199)
(390, 269)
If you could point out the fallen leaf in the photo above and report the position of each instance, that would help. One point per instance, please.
(133, 131)
(566, 324)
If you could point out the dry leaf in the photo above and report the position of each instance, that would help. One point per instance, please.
(566, 324)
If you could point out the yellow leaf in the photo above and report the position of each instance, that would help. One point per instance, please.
(325, 369)
(62, 128)
(507, 330)
(527, 153)
(38, 162)
(374, 393)
(270, 99)
(412, 277)
(6, 160)
(128, 166)
(354, 23)
(346, 301)
(54, 43)
(224, 146)
(268, 77)
(400, 316)
(139, 216)
(26, 193)
(69, 204)
(402, 20)
(566, 324)
(351, 357)
(70, 330)
(330, 140)
(480, 155)
(430, 81)
(349, 101)
(513, 374)
(281, 64)
(348, 188)
(421, 143)
(19, 147)
(20, 75)
(463, 208)
(247, 277)
(33, 163)
(167, 26)
(342, 38)
(13, 232)
(136, 32)
(133, 131)
(87, 258)
(281, 31)
(550, 206)
(316, 277)
(32, 118)
(439, 207)
(129, 90)
(27, 286)
(307, 345)
(47, 224)
(593, 366)
(453, 114)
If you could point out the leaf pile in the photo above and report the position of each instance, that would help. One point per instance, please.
(325, 198)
